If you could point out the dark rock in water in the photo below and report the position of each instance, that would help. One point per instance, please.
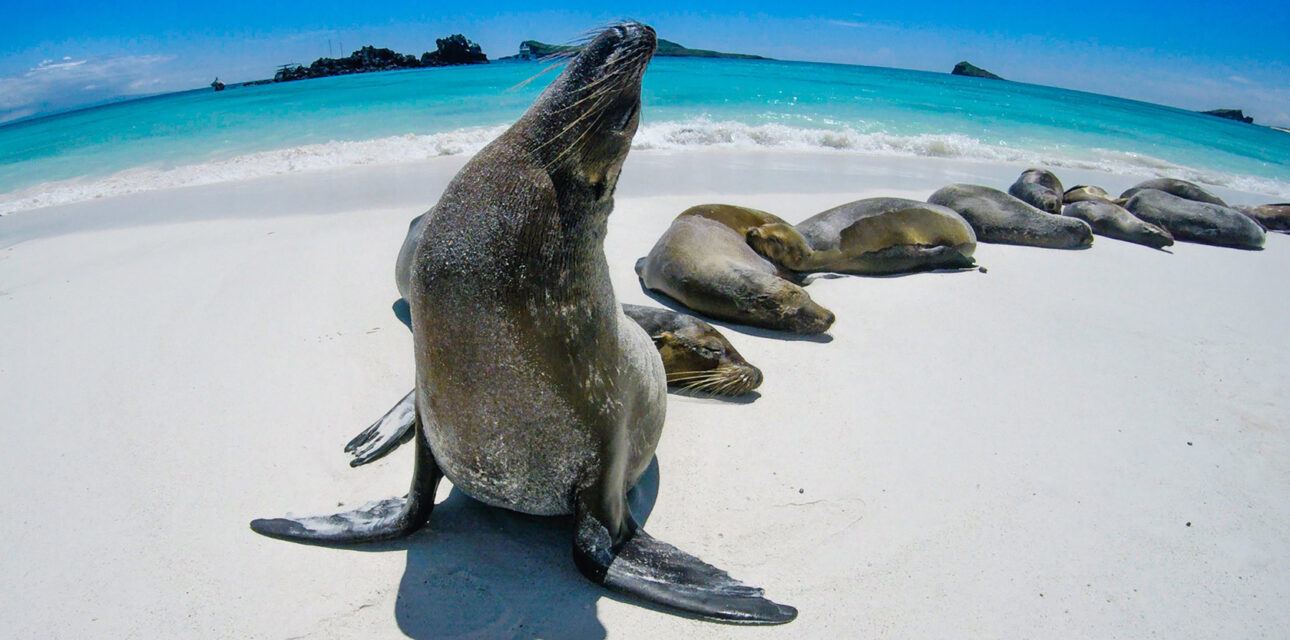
(453, 50)
(1272, 217)
(998, 217)
(966, 68)
(1113, 221)
(1193, 221)
(1180, 188)
(1230, 114)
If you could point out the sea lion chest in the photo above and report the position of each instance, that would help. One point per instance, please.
(515, 336)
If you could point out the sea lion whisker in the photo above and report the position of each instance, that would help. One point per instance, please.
(594, 109)
(575, 144)
(692, 379)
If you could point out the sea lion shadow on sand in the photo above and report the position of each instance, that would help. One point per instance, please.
(479, 571)
(668, 302)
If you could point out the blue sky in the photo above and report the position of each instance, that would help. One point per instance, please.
(1194, 55)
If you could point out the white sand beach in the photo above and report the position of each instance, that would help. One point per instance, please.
(1075, 444)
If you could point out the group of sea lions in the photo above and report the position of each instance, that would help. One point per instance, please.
(537, 391)
(749, 267)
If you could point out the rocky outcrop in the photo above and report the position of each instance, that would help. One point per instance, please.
(966, 68)
(453, 50)
(533, 50)
(1230, 114)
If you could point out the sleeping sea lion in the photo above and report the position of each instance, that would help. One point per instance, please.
(998, 217)
(1113, 221)
(876, 236)
(1039, 189)
(1272, 217)
(704, 262)
(1180, 188)
(1196, 221)
(1082, 192)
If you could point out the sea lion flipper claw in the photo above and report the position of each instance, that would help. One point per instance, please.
(657, 572)
(385, 435)
(374, 521)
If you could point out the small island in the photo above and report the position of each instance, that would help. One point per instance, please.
(965, 68)
(453, 50)
(533, 50)
(1230, 114)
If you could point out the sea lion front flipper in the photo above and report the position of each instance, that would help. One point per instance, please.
(657, 572)
(385, 435)
(374, 521)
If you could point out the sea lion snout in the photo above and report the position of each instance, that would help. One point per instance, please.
(812, 318)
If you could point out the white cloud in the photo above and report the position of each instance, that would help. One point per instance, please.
(52, 86)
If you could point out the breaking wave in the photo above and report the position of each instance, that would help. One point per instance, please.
(689, 134)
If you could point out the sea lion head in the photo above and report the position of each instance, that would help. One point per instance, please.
(698, 358)
(780, 243)
(1049, 201)
(580, 129)
(1155, 236)
(797, 311)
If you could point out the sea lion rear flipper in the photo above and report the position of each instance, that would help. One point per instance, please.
(385, 435)
(659, 573)
(382, 520)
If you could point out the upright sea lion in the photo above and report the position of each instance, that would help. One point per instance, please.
(998, 217)
(876, 236)
(534, 391)
(1039, 189)
(1272, 217)
(1082, 192)
(1180, 188)
(704, 262)
(1196, 221)
(1113, 221)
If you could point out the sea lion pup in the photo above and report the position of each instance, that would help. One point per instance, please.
(1180, 188)
(1195, 221)
(876, 236)
(704, 262)
(1113, 221)
(534, 391)
(1272, 217)
(1083, 192)
(998, 217)
(1039, 189)
(696, 357)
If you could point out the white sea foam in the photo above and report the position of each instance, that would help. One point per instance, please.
(690, 134)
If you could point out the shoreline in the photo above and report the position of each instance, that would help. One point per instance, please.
(414, 186)
(402, 153)
(1076, 444)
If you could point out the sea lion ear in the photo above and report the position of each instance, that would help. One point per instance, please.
(662, 337)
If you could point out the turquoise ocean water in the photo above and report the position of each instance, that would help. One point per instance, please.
(202, 136)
